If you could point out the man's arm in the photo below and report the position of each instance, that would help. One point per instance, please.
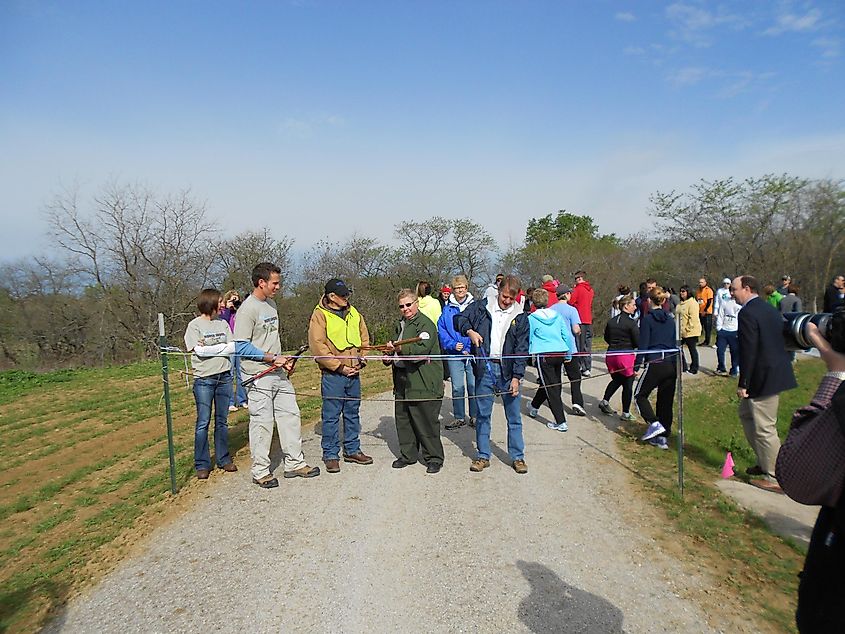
(749, 338)
(318, 343)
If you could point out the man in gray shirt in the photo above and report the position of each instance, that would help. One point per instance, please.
(272, 396)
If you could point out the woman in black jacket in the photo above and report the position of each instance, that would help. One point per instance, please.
(657, 333)
(621, 333)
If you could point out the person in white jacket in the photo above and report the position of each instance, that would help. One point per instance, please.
(727, 322)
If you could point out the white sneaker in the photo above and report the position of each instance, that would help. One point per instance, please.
(587, 373)
(532, 412)
(655, 429)
(232, 408)
(578, 410)
(561, 427)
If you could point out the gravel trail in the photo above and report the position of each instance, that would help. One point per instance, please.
(565, 548)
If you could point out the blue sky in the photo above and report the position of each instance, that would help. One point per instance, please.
(320, 118)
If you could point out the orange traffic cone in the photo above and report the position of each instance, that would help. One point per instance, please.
(728, 467)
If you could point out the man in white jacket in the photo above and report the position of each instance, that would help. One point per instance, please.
(727, 323)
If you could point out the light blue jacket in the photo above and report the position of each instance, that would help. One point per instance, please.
(548, 331)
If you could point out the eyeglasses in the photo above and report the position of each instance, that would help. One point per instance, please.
(408, 305)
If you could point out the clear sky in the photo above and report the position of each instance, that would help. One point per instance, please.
(321, 118)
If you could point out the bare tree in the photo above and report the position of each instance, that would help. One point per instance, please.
(239, 255)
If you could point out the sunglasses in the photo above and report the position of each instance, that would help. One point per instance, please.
(408, 305)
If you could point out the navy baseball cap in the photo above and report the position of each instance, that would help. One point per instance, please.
(338, 287)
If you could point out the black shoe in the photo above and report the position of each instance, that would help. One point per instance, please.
(754, 471)
(433, 467)
(399, 463)
(456, 425)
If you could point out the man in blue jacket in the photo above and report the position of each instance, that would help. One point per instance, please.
(499, 334)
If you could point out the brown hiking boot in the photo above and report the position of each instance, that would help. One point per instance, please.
(332, 466)
(479, 464)
(358, 458)
(202, 474)
(230, 467)
(520, 467)
(303, 472)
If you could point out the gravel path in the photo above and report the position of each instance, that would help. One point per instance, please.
(566, 548)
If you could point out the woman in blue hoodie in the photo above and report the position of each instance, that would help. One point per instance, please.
(549, 332)
(657, 333)
(453, 343)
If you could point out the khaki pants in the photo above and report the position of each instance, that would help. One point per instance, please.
(759, 420)
(272, 398)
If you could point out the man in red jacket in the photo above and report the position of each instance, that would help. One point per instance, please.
(582, 300)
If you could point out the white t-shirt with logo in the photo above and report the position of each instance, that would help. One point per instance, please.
(207, 332)
(258, 323)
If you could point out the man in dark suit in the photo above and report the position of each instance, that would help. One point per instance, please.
(764, 372)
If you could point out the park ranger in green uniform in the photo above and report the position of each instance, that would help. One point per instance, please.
(417, 387)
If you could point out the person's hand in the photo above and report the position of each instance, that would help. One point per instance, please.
(348, 371)
(280, 361)
(741, 392)
(459, 346)
(476, 339)
(514, 386)
(230, 304)
(835, 361)
(390, 347)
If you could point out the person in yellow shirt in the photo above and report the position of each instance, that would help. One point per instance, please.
(428, 305)
(704, 297)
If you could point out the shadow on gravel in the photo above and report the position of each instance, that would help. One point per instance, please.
(556, 606)
(386, 431)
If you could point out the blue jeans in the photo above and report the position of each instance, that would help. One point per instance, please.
(463, 379)
(486, 385)
(216, 389)
(239, 393)
(725, 339)
(336, 388)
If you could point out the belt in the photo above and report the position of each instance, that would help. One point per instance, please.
(497, 361)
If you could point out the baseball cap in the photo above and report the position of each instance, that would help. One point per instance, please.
(338, 287)
(563, 289)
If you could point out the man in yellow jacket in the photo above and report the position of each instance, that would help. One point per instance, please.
(335, 336)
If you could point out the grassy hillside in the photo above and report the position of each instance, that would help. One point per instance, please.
(86, 472)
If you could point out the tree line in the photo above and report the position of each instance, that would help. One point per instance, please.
(129, 252)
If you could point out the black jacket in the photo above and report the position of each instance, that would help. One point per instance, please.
(621, 332)
(832, 298)
(657, 332)
(477, 318)
(765, 368)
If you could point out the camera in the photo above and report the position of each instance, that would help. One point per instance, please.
(236, 303)
(830, 325)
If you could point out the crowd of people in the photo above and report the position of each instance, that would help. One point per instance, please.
(482, 347)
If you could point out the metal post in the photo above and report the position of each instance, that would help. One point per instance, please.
(162, 345)
(680, 422)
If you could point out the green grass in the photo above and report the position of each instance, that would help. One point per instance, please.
(760, 567)
(58, 522)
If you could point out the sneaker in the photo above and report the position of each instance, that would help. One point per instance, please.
(479, 464)
(587, 373)
(456, 425)
(578, 410)
(721, 373)
(605, 407)
(561, 427)
(627, 417)
(471, 422)
(713, 346)
(532, 412)
(232, 408)
(734, 374)
(303, 472)
(659, 442)
(655, 429)
(520, 467)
